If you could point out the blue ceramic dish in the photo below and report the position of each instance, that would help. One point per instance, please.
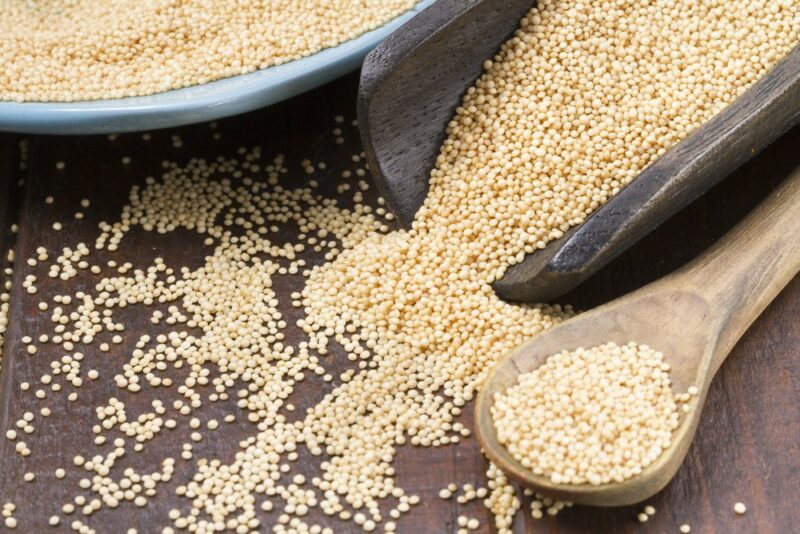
(220, 98)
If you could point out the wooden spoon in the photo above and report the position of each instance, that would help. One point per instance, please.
(694, 317)
(413, 81)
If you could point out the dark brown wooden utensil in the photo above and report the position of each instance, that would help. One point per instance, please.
(412, 83)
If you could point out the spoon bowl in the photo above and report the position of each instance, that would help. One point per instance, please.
(693, 317)
(641, 319)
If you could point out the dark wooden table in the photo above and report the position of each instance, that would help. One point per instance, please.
(747, 448)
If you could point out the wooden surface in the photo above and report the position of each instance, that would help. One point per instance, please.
(747, 448)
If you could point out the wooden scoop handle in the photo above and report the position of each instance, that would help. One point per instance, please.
(745, 270)
(755, 119)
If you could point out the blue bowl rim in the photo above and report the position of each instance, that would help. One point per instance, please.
(217, 99)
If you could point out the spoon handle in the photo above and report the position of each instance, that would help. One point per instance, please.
(745, 270)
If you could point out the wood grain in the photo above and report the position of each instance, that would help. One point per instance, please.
(9, 204)
(747, 449)
(9, 192)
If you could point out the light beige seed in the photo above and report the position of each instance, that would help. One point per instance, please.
(646, 409)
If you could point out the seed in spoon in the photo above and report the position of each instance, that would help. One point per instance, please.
(596, 415)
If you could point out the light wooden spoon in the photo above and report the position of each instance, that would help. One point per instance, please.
(694, 317)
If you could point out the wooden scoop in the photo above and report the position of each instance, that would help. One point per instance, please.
(694, 317)
(413, 81)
